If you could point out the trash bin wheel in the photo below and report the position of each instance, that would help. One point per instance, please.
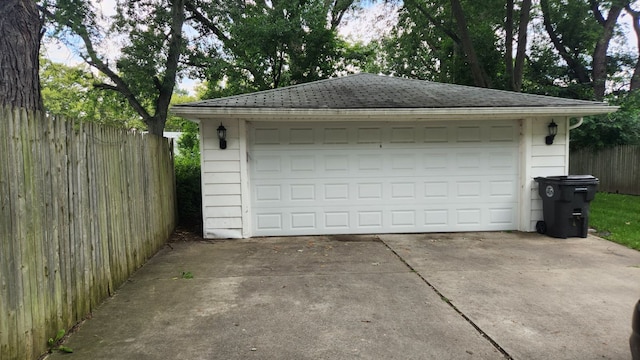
(541, 227)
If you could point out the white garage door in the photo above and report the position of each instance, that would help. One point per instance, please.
(358, 178)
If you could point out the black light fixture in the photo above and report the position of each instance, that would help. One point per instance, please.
(222, 135)
(553, 130)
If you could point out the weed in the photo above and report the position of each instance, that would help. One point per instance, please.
(54, 343)
(187, 275)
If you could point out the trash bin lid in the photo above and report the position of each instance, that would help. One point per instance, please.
(569, 180)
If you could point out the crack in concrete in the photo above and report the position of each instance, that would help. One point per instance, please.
(444, 298)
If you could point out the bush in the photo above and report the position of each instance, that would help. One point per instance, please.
(188, 185)
(188, 191)
(619, 128)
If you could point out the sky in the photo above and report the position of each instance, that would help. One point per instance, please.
(372, 21)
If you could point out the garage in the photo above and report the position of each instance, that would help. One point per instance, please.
(365, 154)
(388, 178)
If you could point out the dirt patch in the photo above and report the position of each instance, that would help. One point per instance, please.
(186, 233)
(354, 238)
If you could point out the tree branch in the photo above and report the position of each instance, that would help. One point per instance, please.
(103, 86)
(599, 62)
(480, 77)
(635, 78)
(595, 8)
(508, 44)
(171, 68)
(580, 72)
(521, 51)
(450, 33)
(94, 60)
(190, 6)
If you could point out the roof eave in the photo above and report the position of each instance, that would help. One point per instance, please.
(485, 113)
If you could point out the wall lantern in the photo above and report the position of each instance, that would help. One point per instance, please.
(553, 130)
(222, 135)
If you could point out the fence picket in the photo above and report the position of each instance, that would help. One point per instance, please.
(81, 208)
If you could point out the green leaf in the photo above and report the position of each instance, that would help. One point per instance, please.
(59, 335)
(65, 349)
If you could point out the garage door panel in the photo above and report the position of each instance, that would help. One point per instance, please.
(468, 134)
(354, 178)
(408, 190)
(335, 221)
(402, 135)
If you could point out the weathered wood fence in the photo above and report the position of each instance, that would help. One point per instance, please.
(618, 168)
(80, 210)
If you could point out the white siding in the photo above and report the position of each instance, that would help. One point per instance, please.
(221, 181)
(545, 160)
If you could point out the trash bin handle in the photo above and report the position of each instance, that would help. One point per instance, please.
(581, 189)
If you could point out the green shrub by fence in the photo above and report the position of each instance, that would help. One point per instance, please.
(617, 168)
(80, 210)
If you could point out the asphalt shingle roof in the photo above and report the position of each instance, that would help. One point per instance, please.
(368, 91)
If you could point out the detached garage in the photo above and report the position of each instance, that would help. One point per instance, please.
(375, 154)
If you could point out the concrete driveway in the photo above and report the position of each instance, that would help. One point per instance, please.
(423, 296)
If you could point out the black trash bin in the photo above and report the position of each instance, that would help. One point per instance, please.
(565, 205)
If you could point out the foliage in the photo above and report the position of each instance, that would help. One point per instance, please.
(614, 216)
(567, 54)
(54, 343)
(580, 34)
(427, 43)
(619, 128)
(265, 45)
(188, 183)
(176, 123)
(147, 66)
(68, 91)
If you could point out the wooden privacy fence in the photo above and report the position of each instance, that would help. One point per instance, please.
(80, 210)
(618, 168)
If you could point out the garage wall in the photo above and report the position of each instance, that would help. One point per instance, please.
(221, 180)
(546, 160)
(225, 174)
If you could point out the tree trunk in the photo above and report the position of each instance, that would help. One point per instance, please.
(579, 71)
(155, 125)
(508, 45)
(599, 72)
(20, 26)
(521, 52)
(635, 79)
(480, 77)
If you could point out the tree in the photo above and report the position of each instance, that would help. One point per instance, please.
(249, 46)
(480, 76)
(188, 175)
(68, 91)
(514, 68)
(488, 43)
(20, 26)
(450, 41)
(635, 78)
(145, 73)
(581, 35)
(619, 128)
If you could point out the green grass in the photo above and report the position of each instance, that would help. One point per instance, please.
(617, 218)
